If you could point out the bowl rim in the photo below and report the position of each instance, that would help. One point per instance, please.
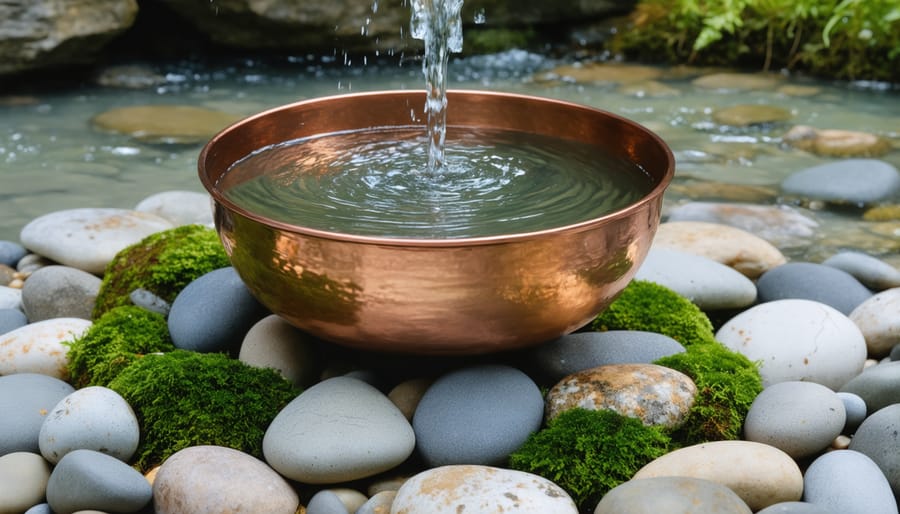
(590, 224)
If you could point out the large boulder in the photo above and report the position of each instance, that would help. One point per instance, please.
(46, 33)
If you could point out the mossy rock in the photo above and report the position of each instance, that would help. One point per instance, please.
(183, 398)
(651, 307)
(589, 452)
(162, 263)
(727, 383)
(113, 342)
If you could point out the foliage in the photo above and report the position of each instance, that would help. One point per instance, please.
(727, 383)
(162, 263)
(113, 342)
(651, 307)
(589, 452)
(848, 39)
(183, 398)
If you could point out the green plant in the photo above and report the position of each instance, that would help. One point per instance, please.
(651, 307)
(162, 263)
(183, 398)
(727, 383)
(589, 452)
(114, 341)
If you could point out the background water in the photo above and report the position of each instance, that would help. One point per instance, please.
(52, 159)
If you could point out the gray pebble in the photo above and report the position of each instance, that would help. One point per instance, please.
(870, 271)
(25, 398)
(848, 482)
(671, 495)
(147, 300)
(59, 292)
(477, 415)
(878, 437)
(810, 281)
(379, 503)
(87, 479)
(32, 262)
(583, 350)
(213, 313)
(855, 407)
(796, 508)
(856, 181)
(11, 319)
(41, 508)
(326, 502)
(878, 386)
(11, 252)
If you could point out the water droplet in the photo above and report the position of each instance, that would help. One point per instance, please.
(479, 17)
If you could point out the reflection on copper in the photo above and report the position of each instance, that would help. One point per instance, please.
(434, 296)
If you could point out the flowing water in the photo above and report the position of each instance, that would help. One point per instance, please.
(52, 157)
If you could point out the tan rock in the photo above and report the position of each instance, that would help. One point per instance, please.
(712, 190)
(594, 72)
(798, 90)
(406, 395)
(654, 394)
(649, 89)
(737, 81)
(178, 124)
(836, 143)
(760, 474)
(746, 114)
(749, 254)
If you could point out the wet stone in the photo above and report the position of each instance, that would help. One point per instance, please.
(672, 495)
(130, 76)
(810, 281)
(848, 482)
(166, 124)
(836, 143)
(872, 272)
(736, 81)
(25, 400)
(879, 320)
(654, 394)
(746, 115)
(783, 226)
(594, 73)
(59, 292)
(852, 181)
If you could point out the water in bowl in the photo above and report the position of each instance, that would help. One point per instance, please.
(377, 183)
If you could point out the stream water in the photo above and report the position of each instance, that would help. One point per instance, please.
(52, 158)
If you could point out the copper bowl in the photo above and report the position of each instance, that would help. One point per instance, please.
(438, 296)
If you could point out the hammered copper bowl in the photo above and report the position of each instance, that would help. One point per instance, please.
(438, 296)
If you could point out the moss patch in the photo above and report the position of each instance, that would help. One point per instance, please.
(727, 383)
(650, 307)
(113, 342)
(162, 263)
(184, 398)
(588, 452)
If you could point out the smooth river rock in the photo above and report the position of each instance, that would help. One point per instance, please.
(781, 225)
(25, 400)
(465, 488)
(854, 181)
(848, 482)
(708, 284)
(179, 207)
(655, 394)
(90, 480)
(209, 479)
(799, 418)
(23, 481)
(878, 318)
(878, 437)
(10, 298)
(747, 253)
(338, 430)
(758, 473)
(274, 343)
(40, 347)
(477, 415)
(94, 418)
(11, 319)
(583, 350)
(88, 238)
(810, 281)
(878, 386)
(797, 340)
(796, 508)
(872, 272)
(59, 292)
(671, 495)
(11, 252)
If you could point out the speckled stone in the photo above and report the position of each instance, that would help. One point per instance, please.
(23, 481)
(811, 281)
(872, 272)
(207, 479)
(798, 418)
(848, 482)
(671, 495)
(654, 394)
(89, 238)
(40, 347)
(878, 318)
(473, 488)
(878, 438)
(797, 340)
(758, 473)
(747, 253)
(584, 350)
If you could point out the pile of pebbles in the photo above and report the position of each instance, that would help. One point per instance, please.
(821, 437)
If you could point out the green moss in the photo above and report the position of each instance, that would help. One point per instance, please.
(493, 40)
(727, 383)
(113, 342)
(588, 452)
(650, 307)
(184, 398)
(847, 39)
(162, 263)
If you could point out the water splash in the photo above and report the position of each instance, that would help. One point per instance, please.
(439, 25)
